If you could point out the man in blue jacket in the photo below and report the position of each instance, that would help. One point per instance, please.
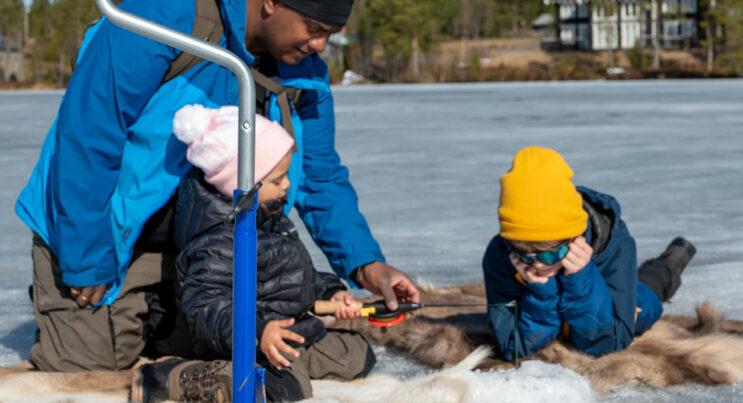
(100, 199)
(566, 257)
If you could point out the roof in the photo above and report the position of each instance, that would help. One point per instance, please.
(543, 20)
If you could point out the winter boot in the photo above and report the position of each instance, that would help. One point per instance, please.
(663, 274)
(679, 252)
(182, 380)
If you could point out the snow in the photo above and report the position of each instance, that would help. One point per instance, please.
(533, 382)
(425, 161)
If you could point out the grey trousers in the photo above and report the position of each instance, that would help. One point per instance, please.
(73, 339)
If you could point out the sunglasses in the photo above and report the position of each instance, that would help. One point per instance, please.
(548, 257)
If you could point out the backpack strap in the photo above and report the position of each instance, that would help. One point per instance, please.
(284, 95)
(207, 26)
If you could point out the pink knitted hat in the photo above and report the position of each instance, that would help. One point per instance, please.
(211, 135)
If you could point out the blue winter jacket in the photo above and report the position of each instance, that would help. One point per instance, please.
(597, 304)
(110, 160)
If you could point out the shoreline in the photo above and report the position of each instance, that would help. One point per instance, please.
(32, 89)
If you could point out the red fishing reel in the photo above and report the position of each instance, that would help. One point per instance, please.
(377, 312)
(383, 317)
(383, 321)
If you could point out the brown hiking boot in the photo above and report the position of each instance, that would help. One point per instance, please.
(182, 380)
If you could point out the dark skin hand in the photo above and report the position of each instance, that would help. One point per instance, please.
(88, 295)
(392, 284)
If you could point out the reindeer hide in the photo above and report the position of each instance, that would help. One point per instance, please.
(706, 349)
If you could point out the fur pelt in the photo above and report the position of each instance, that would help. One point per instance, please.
(449, 385)
(705, 349)
(21, 384)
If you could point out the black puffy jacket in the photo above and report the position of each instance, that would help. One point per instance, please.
(288, 284)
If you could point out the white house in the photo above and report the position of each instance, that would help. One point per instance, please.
(621, 24)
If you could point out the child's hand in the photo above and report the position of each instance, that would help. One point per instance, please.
(528, 274)
(578, 257)
(344, 312)
(272, 342)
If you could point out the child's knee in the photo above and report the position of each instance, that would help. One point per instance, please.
(340, 355)
(361, 356)
(369, 361)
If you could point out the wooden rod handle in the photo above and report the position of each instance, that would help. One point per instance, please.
(329, 307)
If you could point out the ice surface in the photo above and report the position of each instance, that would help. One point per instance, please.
(533, 382)
(425, 160)
(25, 118)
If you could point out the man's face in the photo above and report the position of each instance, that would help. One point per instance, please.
(289, 36)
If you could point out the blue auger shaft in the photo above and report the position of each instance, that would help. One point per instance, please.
(244, 265)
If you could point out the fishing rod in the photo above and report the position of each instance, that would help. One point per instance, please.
(381, 316)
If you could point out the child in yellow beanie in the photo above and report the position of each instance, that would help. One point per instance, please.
(565, 255)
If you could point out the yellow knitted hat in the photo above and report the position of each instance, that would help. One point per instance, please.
(538, 202)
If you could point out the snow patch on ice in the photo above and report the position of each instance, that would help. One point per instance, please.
(533, 382)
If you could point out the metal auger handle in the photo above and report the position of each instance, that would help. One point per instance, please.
(244, 272)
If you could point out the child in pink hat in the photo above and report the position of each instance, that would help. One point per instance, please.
(290, 339)
(211, 135)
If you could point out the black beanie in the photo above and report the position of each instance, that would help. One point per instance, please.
(333, 12)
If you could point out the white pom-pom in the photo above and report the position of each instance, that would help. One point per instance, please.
(190, 122)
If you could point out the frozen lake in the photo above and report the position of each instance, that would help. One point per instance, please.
(425, 160)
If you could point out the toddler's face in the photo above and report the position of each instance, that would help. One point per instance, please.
(276, 183)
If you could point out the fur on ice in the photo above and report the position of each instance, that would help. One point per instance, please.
(705, 349)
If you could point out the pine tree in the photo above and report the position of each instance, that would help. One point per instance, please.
(725, 18)
(58, 28)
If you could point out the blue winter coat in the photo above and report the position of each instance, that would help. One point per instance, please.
(110, 160)
(598, 303)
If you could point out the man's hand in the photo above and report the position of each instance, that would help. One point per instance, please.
(272, 342)
(88, 295)
(578, 257)
(345, 312)
(392, 284)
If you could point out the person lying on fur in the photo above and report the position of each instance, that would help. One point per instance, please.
(565, 255)
(293, 346)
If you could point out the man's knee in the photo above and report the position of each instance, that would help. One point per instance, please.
(73, 339)
(70, 338)
(70, 341)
